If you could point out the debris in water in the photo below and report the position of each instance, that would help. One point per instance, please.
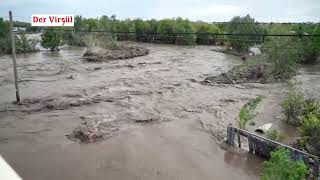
(91, 131)
(120, 52)
(264, 128)
(149, 120)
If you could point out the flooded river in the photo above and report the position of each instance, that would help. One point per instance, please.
(164, 85)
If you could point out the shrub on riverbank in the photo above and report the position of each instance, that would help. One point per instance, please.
(282, 167)
(296, 107)
(52, 39)
(305, 112)
(25, 44)
(275, 135)
(310, 133)
(293, 106)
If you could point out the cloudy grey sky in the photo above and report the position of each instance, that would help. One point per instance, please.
(206, 10)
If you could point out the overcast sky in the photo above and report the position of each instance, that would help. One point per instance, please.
(206, 10)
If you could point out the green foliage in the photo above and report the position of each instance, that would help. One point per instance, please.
(284, 56)
(74, 38)
(51, 39)
(293, 106)
(90, 23)
(166, 29)
(141, 29)
(104, 23)
(247, 112)
(311, 106)
(184, 30)
(310, 132)
(281, 167)
(126, 29)
(309, 47)
(204, 31)
(243, 25)
(275, 135)
(26, 45)
(4, 37)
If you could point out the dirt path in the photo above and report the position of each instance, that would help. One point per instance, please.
(61, 91)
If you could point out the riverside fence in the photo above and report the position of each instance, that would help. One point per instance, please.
(263, 147)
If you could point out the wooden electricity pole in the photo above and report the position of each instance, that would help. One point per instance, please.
(13, 48)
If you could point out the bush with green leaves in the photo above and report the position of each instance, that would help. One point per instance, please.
(25, 44)
(282, 167)
(293, 106)
(310, 133)
(275, 135)
(51, 39)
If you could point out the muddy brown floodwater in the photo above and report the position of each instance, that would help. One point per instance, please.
(60, 92)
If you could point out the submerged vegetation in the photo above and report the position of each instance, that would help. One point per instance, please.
(247, 112)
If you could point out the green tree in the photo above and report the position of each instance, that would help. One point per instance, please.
(184, 32)
(4, 37)
(204, 31)
(308, 47)
(90, 23)
(141, 29)
(243, 25)
(166, 31)
(78, 22)
(104, 23)
(282, 167)
(283, 55)
(51, 39)
(125, 30)
(152, 31)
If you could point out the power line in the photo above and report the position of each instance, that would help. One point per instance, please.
(190, 33)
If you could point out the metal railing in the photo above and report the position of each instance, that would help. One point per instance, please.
(263, 147)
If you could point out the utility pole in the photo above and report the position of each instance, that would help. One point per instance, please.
(13, 48)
